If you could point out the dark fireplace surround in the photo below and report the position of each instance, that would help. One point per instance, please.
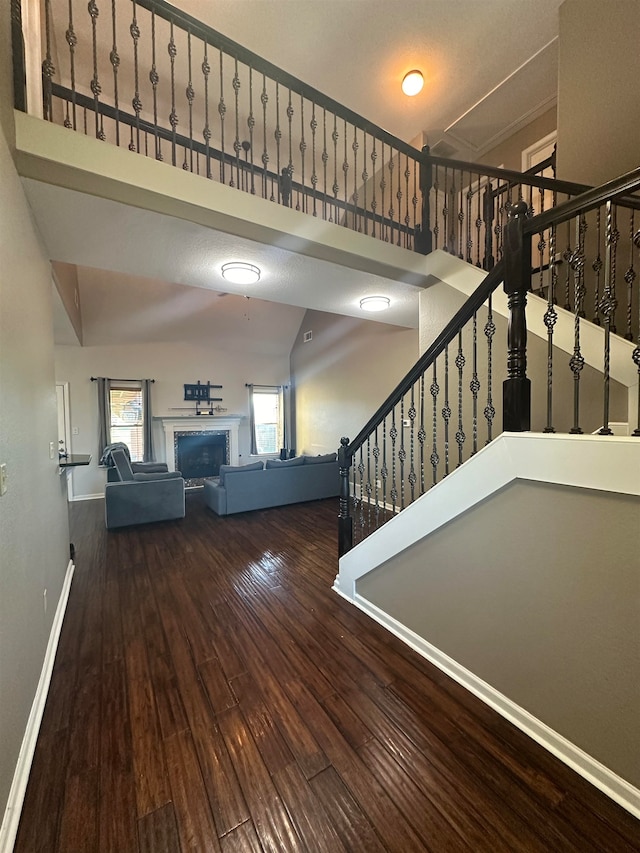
(200, 454)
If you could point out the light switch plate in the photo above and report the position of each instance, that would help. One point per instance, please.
(3, 479)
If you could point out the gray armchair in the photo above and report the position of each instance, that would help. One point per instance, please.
(140, 498)
(137, 467)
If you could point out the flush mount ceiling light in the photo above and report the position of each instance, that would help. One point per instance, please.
(375, 303)
(240, 272)
(412, 82)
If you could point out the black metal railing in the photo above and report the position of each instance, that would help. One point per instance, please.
(446, 407)
(144, 75)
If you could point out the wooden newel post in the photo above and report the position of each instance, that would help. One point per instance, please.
(423, 239)
(345, 522)
(516, 389)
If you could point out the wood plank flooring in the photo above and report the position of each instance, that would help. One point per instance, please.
(210, 693)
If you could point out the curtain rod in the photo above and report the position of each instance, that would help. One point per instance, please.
(111, 379)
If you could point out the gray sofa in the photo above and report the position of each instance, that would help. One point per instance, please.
(139, 498)
(248, 487)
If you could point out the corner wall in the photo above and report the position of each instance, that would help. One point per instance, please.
(34, 529)
(549, 616)
(343, 374)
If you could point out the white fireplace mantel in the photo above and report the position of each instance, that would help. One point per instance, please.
(201, 424)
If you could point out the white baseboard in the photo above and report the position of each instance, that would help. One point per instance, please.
(13, 810)
(588, 767)
(87, 497)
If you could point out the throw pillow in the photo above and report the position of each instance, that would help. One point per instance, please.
(285, 463)
(228, 469)
(326, 457)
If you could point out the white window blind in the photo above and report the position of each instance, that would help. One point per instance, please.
(127, 419)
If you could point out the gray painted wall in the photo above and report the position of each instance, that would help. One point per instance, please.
(548, 613)
(34, 532)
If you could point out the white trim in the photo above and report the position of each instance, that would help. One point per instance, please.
(531, 151)
(87, 497)
(589, 768)
(11, 818)
(200, 424)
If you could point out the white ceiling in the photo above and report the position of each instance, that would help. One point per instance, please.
(489, 66)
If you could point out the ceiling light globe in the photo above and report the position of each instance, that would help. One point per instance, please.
(412, 82)
(240, 272)
(375, 303)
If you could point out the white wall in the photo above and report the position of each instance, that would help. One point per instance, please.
(171, 365)
(34, 532)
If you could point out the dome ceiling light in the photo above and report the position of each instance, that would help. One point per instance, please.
(241, 272)
(375, 303)
(412, 82)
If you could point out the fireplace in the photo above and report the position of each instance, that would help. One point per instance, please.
(200, 454)
(216, 443)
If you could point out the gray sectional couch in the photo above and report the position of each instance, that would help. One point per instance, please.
(247, 487)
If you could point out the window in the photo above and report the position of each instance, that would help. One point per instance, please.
(127, 422)
(266, 420)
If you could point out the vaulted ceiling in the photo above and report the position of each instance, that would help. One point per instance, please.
(490, 67)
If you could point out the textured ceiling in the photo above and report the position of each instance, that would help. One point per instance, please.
(475, 55)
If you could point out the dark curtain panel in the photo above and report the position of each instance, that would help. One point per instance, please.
(104, 414)
(252, 423)
(147, 423)
(288, 422)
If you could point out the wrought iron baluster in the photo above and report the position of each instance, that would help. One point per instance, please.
(278, 136)
(314, 175)
(469, 243)
(206, 132)
(436, 226)
(345, 172)
(479, 222)
(615, 237)
(237, 145)
(325, 160)
(290, 120)
(608, 309)
(460, 363)
(412, 421)
(597, 268)
(361, 493)
(630, 277)
(72, 40)
(365, 178)
(374, 200)
(48, 68)
(636, 351)
(474, 386)
(383, 184)
(96, 88)
(335, 136)
(407, 218)
(368, 486)
(173, 116)
(399, 200)
(393, 435)
(422, 435)
(550, 320)
(576, 363)
(376, 475)
(414, 201)
(154, 78)
(251, 123)
(448, 247)
(354, 147)
(384, 471)
(303, 149)
(136, 103)
(434, 390)
(489, 331)
(446, 410)
(402, 453)
(460, 228)
(190, 94)
(566, 257)
(264, 100)
(222, 111)
(391, 211)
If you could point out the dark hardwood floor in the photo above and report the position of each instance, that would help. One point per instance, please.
(211, 693)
